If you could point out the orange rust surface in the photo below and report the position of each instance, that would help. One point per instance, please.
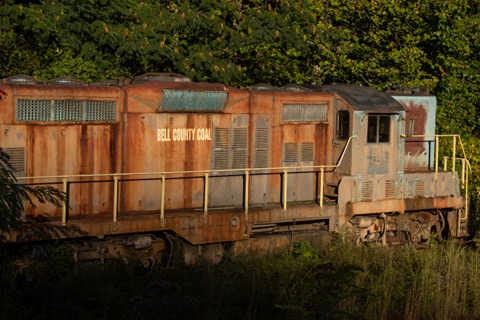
(195, 227)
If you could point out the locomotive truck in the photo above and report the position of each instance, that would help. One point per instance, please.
(161, 158)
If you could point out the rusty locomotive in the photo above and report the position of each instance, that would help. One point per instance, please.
(228, 168)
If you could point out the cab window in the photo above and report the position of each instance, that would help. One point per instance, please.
(343, 124)
(378, 128)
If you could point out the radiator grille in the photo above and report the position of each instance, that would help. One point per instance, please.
(66, 110)
(305, 112)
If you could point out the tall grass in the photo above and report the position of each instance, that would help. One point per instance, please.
(441, 282)
(340, 282)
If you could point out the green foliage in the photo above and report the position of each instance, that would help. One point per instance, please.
(13, 195)
(245, 42)
(222, 41)
(304, 249)
(63, 63)
(17, 57)
(378, 43)
(287, 286)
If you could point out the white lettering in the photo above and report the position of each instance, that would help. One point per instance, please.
(163, 135)
(203, 134)
(184, 134)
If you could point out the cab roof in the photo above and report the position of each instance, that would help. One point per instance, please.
(362, 98)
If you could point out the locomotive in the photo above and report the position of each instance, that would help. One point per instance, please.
(161, 158)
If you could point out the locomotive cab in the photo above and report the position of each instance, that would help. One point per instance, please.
(369, 128)
(373, 121)
(388, 189)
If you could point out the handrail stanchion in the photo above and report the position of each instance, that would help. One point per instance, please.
(115, 197)
(467, 204)
(65, 204)
(445, 163)
(162, 208)
(436, 156)
(463, 173)
(205, 197)
(321, 186)
(247, 188)
(454, 155)
(284, 189)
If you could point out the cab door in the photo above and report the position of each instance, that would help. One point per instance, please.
(382, 151)
(341, 151)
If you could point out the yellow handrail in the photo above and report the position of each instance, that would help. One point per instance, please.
(199, 173)
(64, 179)
(466, 168)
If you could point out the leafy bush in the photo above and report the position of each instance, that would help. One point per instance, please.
(13, 195)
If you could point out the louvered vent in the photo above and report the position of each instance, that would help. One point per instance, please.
(66, 110)
(307, 152)
(390, 189)
(220, 148)
(366, 192)
(290, 154)
(419, 187)
(260, 156)
(239, 148)
(305, 112)
(16, 160)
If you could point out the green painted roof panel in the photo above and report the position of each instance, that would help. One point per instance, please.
(185, 100)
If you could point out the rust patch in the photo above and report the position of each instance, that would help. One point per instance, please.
(418, 113)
